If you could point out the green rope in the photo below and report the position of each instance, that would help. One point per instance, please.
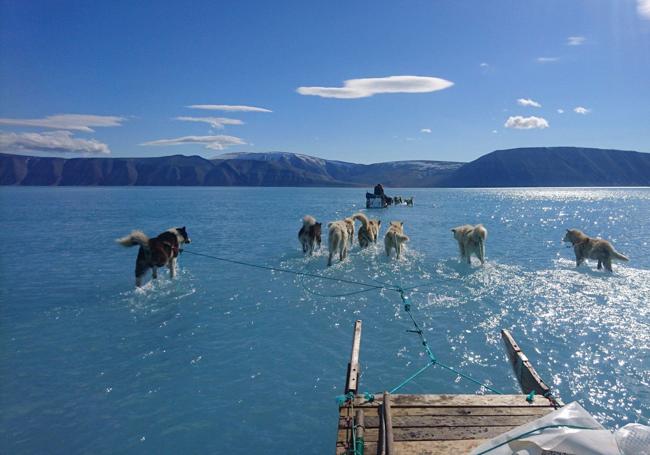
(371, 287)
(293, 272)
(573, 427)
(433, 360)
(345, 294)
(410, 378)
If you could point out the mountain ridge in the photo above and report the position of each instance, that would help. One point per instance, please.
(531, 166)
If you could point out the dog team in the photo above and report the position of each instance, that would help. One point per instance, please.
(470, 239)
(164, 249)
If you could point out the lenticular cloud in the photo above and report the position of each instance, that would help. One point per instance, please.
(55, 141)
(216, 142)
(363, 88)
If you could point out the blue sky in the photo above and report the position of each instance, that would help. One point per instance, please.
(112, 78)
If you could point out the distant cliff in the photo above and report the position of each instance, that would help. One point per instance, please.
(550, 166)
(554, 166)
(259, 169)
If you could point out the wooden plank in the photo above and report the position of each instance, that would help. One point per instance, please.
(536, 411)
(360, 423)
(526, 375)
(435, 434)
(448, 421)
(430, 447)
(352, 380)
(454, 401)
(471, 411)
(388, 424)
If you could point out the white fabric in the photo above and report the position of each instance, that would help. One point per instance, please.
(564, 440)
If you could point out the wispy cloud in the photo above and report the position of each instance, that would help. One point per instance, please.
(214, 122)
(362, 88)
(217, 142)
(643, 8)
(76, 122)
(560, 111)
(581, 110)
(528, 102)
(526, 123)
(53, 141)
(425, 130)
(547, 59)
(228, 108)
(575, 40)
(484, 65)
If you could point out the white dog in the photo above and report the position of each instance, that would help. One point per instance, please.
(369, 230)
(471, 240)
(340, 238)
(395, 237)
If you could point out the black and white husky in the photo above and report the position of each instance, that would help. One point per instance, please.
(310, 234)
(156, 252)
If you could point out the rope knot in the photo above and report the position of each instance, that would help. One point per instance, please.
(530, 397)
(369, 397)
(342, 399)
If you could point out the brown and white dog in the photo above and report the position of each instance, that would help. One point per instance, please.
(339, 238)
(310, 234)
(156, 252)
(471, 240)
(586, 247)
(394, 238)
(369, 230)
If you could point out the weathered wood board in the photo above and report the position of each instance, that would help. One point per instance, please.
(440, 424)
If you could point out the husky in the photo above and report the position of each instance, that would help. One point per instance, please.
(369, 230)
(471, 240)
(592, 248)
(394, 238)
(340, 238)
(310, 234)
(409, 202)
(156, 252)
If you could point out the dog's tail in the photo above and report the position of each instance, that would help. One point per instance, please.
(401, 238)
(619, 256)
(134, 238)
(308, 220)
(363, 218)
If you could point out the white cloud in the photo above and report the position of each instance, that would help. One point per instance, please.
(425, 130)
(217, 142)
(526, 123)
(547, 59)
(495, 132)
(54, 141)
(643, 8)
(214, 122)
(77, 122)
(528, 102)
(581, 110)
(560, 111)
(228, 108)
(484, 65)
(575, 40)
(362, 88)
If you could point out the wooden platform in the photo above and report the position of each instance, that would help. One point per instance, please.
(439, 424)
(436, 424)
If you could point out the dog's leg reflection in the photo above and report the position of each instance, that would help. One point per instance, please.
(154, 273)
(172, 267)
